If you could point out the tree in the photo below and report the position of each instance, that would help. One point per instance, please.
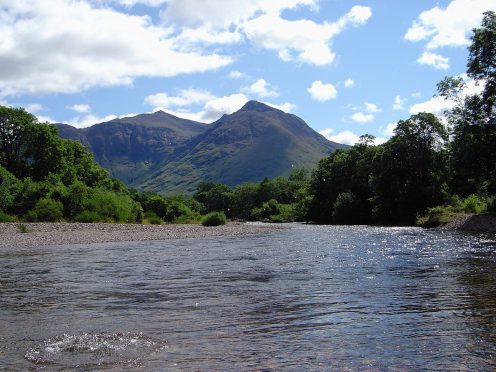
(481, 64)
(473, 118)
(409, 174)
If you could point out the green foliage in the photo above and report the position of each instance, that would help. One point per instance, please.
(46, 210)
(214, 219)
(266, 210)
(4, 217)
(436, 216)
(473, 204)
(345, 209)
(152, 218)
(108, 206)
(23, 228)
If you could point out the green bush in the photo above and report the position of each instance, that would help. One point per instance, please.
(112, 207)
(214, 219)
(4, 217)
(152, 218)
(46, 210)
(473, 204)
(436, 216)
(87, 217)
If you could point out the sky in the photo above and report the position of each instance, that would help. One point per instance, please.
(346, 67)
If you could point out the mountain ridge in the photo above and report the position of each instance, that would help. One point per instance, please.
(254, 142)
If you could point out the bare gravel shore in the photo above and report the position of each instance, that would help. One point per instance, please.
(472, 222)
(40, 234)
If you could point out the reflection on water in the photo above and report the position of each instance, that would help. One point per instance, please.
(311, 297)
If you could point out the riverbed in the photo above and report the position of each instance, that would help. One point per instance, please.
(305, 297)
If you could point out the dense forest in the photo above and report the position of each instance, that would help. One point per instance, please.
(427, 171)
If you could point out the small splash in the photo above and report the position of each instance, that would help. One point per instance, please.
(97, 349)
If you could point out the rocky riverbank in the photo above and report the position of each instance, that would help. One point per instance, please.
(40, 234)
(472, 222)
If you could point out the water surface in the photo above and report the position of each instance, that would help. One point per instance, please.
(310, 297)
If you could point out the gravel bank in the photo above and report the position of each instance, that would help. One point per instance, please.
(472, 222)
(39, 234)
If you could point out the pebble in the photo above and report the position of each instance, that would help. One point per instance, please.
(60, 233)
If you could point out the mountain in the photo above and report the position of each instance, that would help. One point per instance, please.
(130, 147)
(160, 152)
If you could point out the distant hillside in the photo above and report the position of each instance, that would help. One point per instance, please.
(131, 147)
(163, 153)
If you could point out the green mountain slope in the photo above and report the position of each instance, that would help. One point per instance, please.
(163, 153)
(130, 148)
(255, 142)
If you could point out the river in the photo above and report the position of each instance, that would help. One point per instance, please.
(305, 298)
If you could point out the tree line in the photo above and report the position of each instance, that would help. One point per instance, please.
(427, 171)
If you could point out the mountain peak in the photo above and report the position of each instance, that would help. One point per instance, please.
(257, 106)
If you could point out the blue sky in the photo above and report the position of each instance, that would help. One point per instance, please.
(345, 67)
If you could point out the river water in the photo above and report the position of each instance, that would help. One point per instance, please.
(305, 298)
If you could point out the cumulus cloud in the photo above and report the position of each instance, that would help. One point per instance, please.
(450, 26)
(68, 46)
(399, 103)
(185, 97)
(349, 83)
(303, 40)
(222, 13)
(213, 107)
(438, 105)
(435, 105)
(435, 60)
(347, 137)
(371, 107)
(80, 108)
(262, 89)
(89, 120)
(446, 27)
(322, 92)
(360, 117)
(388, 130)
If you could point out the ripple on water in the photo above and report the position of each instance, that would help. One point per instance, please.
(94, 349)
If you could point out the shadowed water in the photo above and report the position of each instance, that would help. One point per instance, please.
(310, 297)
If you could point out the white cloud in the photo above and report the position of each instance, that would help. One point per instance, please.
(346, 137)
(349, 83)
(371, 107)
(235, 74)
(360, 117)
(186, 97)
(212, 109)
(68, 46)
(80, 108)
(435, 60)
(262, 89)
(191, 36)
(130, 3)
(322, 92)
(388, 131)
(399, 103)
(327, 132)
(223, 14)
(89, 120)
(304, 40)
(286, 106)
(450, 26)
(34, 107)
(437, 105)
